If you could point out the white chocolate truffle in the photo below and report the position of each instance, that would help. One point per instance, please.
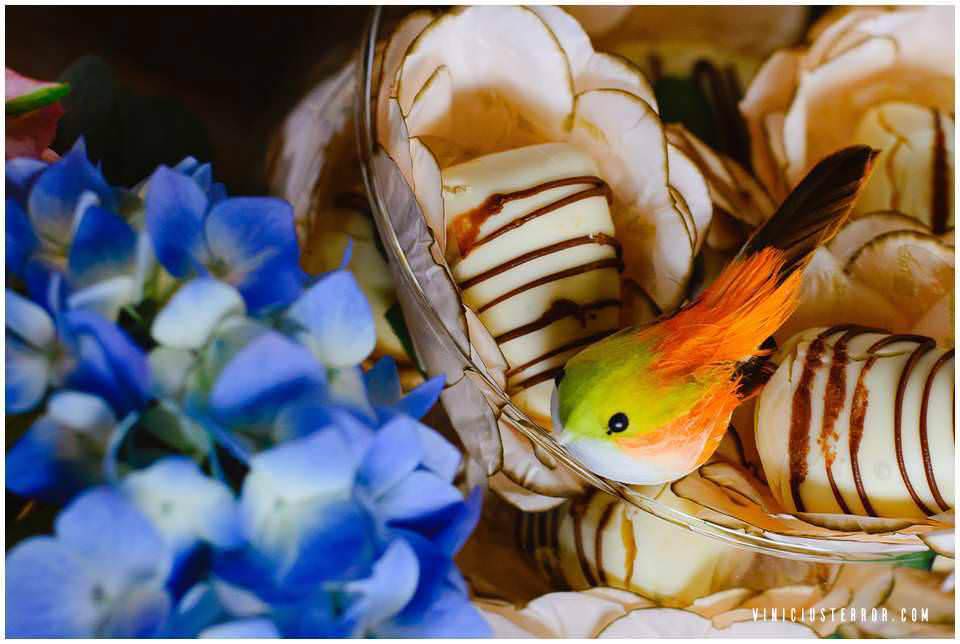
(530, 242)
(860, 422)
(599, 540)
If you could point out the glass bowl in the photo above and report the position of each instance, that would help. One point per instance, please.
(441, 351)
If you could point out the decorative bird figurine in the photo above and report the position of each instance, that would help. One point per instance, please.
(650, 404)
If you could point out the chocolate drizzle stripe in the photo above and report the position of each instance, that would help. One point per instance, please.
(557, 577)
(577, 508)
(629, 546)
(858, 413)
(553, 277)
(543, 376)
(939, 190)
(558, 310)
(833, 398)
(924, 445)
(799, 437)
(905, 373)
(601, 239)
(466, 226)
(580, 342)
(598, 540)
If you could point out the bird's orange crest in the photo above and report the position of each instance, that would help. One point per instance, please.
(746, 304)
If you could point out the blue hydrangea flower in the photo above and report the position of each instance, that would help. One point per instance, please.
(103, 574)
(63, 450)
(261, 482)
(249, 242)
(79, 350)
(393, 520)
(64, 219)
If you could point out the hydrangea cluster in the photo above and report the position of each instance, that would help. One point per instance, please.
(225, 465)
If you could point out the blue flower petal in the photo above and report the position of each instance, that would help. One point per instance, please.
(346, 387)
(343, 527)
(109, 363)
(105, 298)
(439, 455)
(51, 463)
(185, 505)
(20, 175)
(422, 399)
(55, 194)
(138, 612)
(50, 591)
(110, 533)
(187, 166)
(440, 607)
(80, 412)
(255, 240)
(103, 246)
(264, 376)
(383, 382)
(175, 207)
(390, 587)
(45, 285)
(197, 609)
(297, 507)
(194, 312)
(27, 373)
(21, 240)
(203, 175)
(394, 453)
(459, 524)
(256, 627)
(28, 321)
(338, 317)
(321, 465)
(419, 494)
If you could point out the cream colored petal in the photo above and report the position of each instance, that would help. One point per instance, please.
(497, 82)
(830, 296)
(625, 137)
(770, 93)
(400, 40)
(520, 497)
(912, 270)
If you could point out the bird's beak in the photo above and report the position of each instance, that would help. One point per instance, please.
(559, 433)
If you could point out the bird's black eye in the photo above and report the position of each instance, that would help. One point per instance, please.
(617, 423)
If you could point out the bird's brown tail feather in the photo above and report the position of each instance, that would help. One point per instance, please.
(815, 210)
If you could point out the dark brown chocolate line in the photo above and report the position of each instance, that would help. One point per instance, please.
(543, 376)
(540, 539)
(558, 310)
(601, 239)
(557, 578)
(858, 413)
(629, 549)
(577, 507)
(590, 339)
(799, 437)
(833, 398)
(598, 540)
(939, 189)
(924, 445)
(553, 277)
(466, 227)
(921, 350)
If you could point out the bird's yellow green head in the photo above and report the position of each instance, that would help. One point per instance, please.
(609, 394)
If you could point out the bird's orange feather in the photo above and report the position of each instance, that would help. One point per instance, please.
(743, 307)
